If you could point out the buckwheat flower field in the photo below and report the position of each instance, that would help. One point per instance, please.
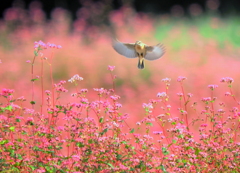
(70, 103)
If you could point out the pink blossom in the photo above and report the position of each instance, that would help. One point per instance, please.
(6, 92)
(180, 94)
(212, 87)
(59, 47)
(161, 116)
(2, 117)
(227, 80)
(227, 94)
(203, 125)
(221, 111)
(147, 105)
(60, 128)
(166, 80)
(157, 132)
(111, 68)
(75, 77)
(162, 94)
(76, 158)
(115, 97)
(205, 99)
(181, 78)
(84, 90)
(138, 123)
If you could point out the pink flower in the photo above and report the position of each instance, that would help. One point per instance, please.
(6, 92)
(111, 68)
(205, 99)
(166, 80)
(227, 94)
(138, 123)
(221, 111)
(100, 90)
(181, 78)
(76, 158)
(28, 61)
(180, 94)
(161, 116)
(2, 117)
(203, 125)
(212, 87)
(115, 97)
(168, 106)
(162, 94)
(60, 128)
(76, 77)
(47, 92)
(84, 90)
(148, 106)
(157, 132)
(227, 79)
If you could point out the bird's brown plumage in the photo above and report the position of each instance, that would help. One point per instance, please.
(140, 50)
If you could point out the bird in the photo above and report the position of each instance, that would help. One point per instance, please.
(140, 50)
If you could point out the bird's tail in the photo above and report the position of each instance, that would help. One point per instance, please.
(141, 63)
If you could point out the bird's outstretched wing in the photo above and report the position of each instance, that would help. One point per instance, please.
(154, 52)
(125, 49)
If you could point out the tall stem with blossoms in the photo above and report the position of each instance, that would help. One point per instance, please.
(229, 81)
(182, 95)
(39, 46)
(111, 68)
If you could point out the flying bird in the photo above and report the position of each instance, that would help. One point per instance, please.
(140, 50)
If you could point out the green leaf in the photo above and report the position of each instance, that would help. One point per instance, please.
(35, 148)
(109, 164)
(32, 102)
(180, 136)
(118, 156)
(103, 132)
(19, 156)
(197, 151)
(9, 108)
(3, 142)
(90, 141)
(132, 130)
(101, 120)
(149, 124)
(80, 144)
(163, 168)
(165, 151)
(12, 128)
(35, 53)
(32, 80)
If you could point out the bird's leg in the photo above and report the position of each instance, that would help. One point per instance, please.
(141, 63)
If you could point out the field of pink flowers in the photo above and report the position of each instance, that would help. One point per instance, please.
(70, 103)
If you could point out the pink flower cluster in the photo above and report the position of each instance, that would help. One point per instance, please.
(40, 44)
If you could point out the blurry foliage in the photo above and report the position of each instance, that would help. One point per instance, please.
(221, 30)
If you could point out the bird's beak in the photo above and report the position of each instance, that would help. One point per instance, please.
(141, 63)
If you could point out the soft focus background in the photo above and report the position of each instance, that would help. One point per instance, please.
(201, 39)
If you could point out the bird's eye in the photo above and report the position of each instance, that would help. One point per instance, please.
(141, 54)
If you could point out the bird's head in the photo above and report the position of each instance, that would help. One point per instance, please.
(140, 44)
